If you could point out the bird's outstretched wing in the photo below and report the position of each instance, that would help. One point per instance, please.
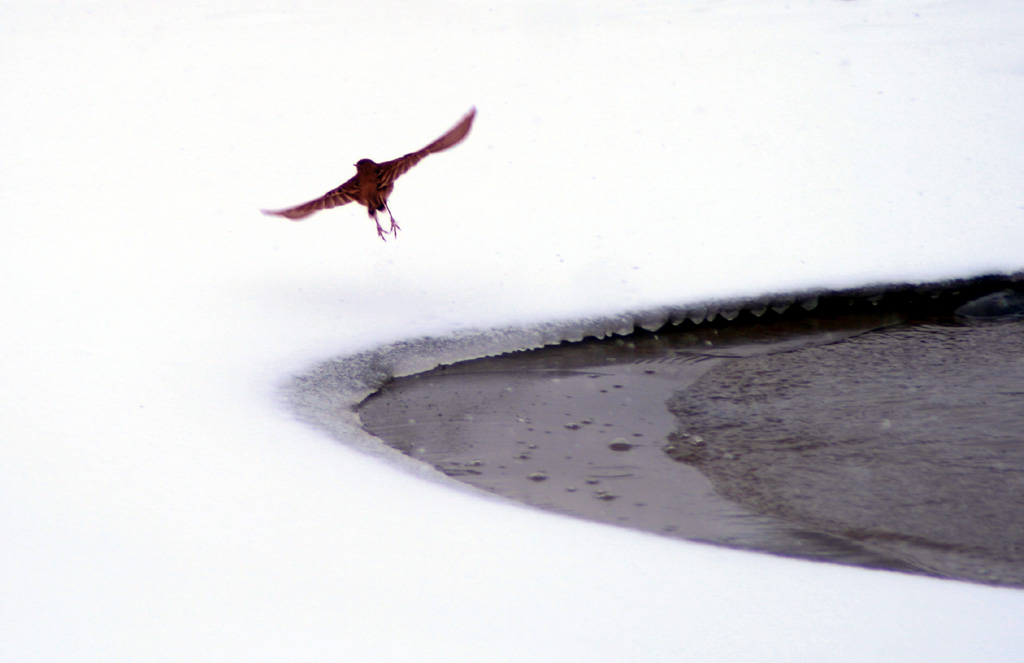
(390, 170)
(345, 193)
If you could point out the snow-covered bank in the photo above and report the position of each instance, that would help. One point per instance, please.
(327, 394)
(158, 501)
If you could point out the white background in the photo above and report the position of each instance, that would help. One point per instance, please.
(157, 499)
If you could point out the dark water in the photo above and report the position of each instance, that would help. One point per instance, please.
(908, 441)
(859, 439)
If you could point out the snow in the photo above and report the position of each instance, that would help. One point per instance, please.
(159, 500)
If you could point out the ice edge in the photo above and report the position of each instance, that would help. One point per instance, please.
(326, 396)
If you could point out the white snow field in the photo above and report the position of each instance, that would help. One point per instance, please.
(158, 499)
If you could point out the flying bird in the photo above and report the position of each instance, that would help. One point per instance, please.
(373, 182)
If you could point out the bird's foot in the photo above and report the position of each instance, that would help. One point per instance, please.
(394, 224)
(380, 232)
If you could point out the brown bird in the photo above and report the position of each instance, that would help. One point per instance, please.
(373, 182)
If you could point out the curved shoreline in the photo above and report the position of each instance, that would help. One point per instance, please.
(328, 395)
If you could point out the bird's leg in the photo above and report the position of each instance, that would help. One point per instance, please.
(394, 224)
(380, 231)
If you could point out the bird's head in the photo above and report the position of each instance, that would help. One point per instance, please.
(364, 165)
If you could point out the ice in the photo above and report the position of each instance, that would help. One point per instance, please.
(630, 162)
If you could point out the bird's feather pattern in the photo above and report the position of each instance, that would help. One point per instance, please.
(391, 170)
(346, 193)
(374, 182)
